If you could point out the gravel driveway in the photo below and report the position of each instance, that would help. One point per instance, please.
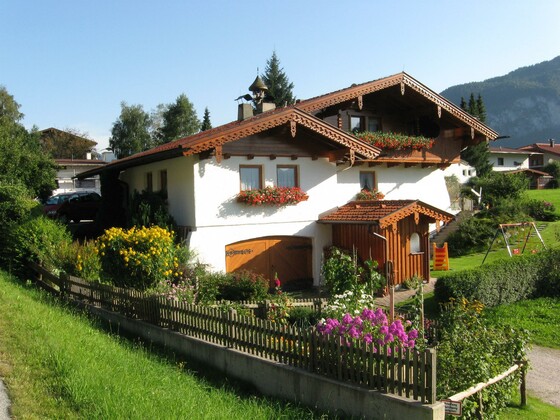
(543, 375)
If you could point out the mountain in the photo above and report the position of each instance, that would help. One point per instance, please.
(523, 104)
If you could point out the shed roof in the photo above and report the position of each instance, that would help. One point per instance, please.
(383, 212)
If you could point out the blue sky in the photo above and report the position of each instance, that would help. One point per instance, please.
(70, 63)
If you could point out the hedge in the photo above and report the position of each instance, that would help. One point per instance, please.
(504, 281)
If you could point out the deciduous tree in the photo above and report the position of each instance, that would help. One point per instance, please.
(131, 131)
(179, 120)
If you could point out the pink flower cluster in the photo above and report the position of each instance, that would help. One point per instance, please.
(370, 326)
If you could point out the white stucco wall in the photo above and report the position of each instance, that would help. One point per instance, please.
(511, 161)
(218, 219)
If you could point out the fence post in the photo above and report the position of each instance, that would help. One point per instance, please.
(231, 316)
(523, 386)
(431, 385)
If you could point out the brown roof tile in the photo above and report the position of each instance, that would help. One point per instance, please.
(383, 212)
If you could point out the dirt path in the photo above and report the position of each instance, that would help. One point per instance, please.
(543, 375)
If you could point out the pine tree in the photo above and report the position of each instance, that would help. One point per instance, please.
(280, 89)
(206, 124)
(477, 155)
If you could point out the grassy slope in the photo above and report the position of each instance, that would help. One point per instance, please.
(58, 364)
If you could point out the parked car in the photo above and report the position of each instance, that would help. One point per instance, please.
(53, 203)
(80, 206)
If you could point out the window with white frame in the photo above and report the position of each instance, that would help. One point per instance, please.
(250, 177)
(287, 176)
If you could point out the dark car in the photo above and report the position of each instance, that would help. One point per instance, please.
(80, 206)
(53, 203)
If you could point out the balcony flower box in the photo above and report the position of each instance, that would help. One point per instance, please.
(395, 141)
(272, 196)
(369, 195)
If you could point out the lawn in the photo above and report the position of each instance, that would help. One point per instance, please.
(57, 363)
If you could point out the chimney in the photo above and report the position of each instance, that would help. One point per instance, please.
(244, 111)
(551, 141)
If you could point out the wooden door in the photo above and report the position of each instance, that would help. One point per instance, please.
(290, 257)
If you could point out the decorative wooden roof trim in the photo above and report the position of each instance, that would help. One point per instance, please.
(402, 79)
(416, 208)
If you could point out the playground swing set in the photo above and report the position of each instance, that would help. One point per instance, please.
(516, 237)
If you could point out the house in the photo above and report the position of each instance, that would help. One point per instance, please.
(67, 171)
(528, 161)
(545, 153)
(414, 134)
(507, 159)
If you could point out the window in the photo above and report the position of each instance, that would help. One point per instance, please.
(85, 183)
(367, 181)
(374, 124)
(251, 177)
(500, 161)
(415, 247)
(149, 182)
(163, 180)
(287, 176)
(357, 124)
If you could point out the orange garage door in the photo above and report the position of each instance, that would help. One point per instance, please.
(288, 256)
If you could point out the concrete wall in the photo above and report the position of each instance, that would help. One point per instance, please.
(281, 381)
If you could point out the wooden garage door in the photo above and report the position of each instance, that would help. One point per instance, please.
(289, 256)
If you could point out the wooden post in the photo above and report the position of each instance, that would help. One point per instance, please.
(431, 376)
(523, 386)
(231, 315)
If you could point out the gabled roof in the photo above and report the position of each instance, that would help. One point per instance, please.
(215, 137)
(529, 171)
(383, 212)
(508, 150)
(543, 148)
(404, 80)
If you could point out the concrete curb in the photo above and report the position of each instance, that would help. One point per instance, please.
(4, 403)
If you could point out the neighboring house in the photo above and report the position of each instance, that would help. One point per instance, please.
(310, 145)
(462, 172)
(507, 159)
(67, 171)
(545, 153)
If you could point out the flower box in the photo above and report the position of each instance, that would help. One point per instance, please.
(273, 196)
(395, 141)
(370, 195)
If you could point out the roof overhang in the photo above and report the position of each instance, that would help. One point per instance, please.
(383, 213)
(405, 81)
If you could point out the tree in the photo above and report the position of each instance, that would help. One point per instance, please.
(279, 87)
(206, 124)
(477, 155)
(179, 120)
(131, 131)
(21, 158)
(66, 144)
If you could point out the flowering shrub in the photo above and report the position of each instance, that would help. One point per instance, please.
(350, 301)
(276, 196)
(138, 258)
(280, 304)
(242, 285)
(370, 195)
(87, 264)
(371, 327)
(395, 141)
(179, 291)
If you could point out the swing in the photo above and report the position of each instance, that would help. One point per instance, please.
(515, 238)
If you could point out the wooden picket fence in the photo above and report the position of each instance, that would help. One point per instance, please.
(405, 372)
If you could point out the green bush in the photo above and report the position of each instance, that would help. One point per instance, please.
(339, 271)
(540, 210)
(504, 281)
(38, 240)
(81, 260)
(473, 235)
(150, 208)
(303, 317)
(470, 351)
(243, 285)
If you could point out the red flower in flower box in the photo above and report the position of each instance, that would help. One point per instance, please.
(276, 196)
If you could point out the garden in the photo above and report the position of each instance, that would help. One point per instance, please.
(471, 346)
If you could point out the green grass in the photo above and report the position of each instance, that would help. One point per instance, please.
(534, 410)
(552, 196)
(59, 364)
(541, 317)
